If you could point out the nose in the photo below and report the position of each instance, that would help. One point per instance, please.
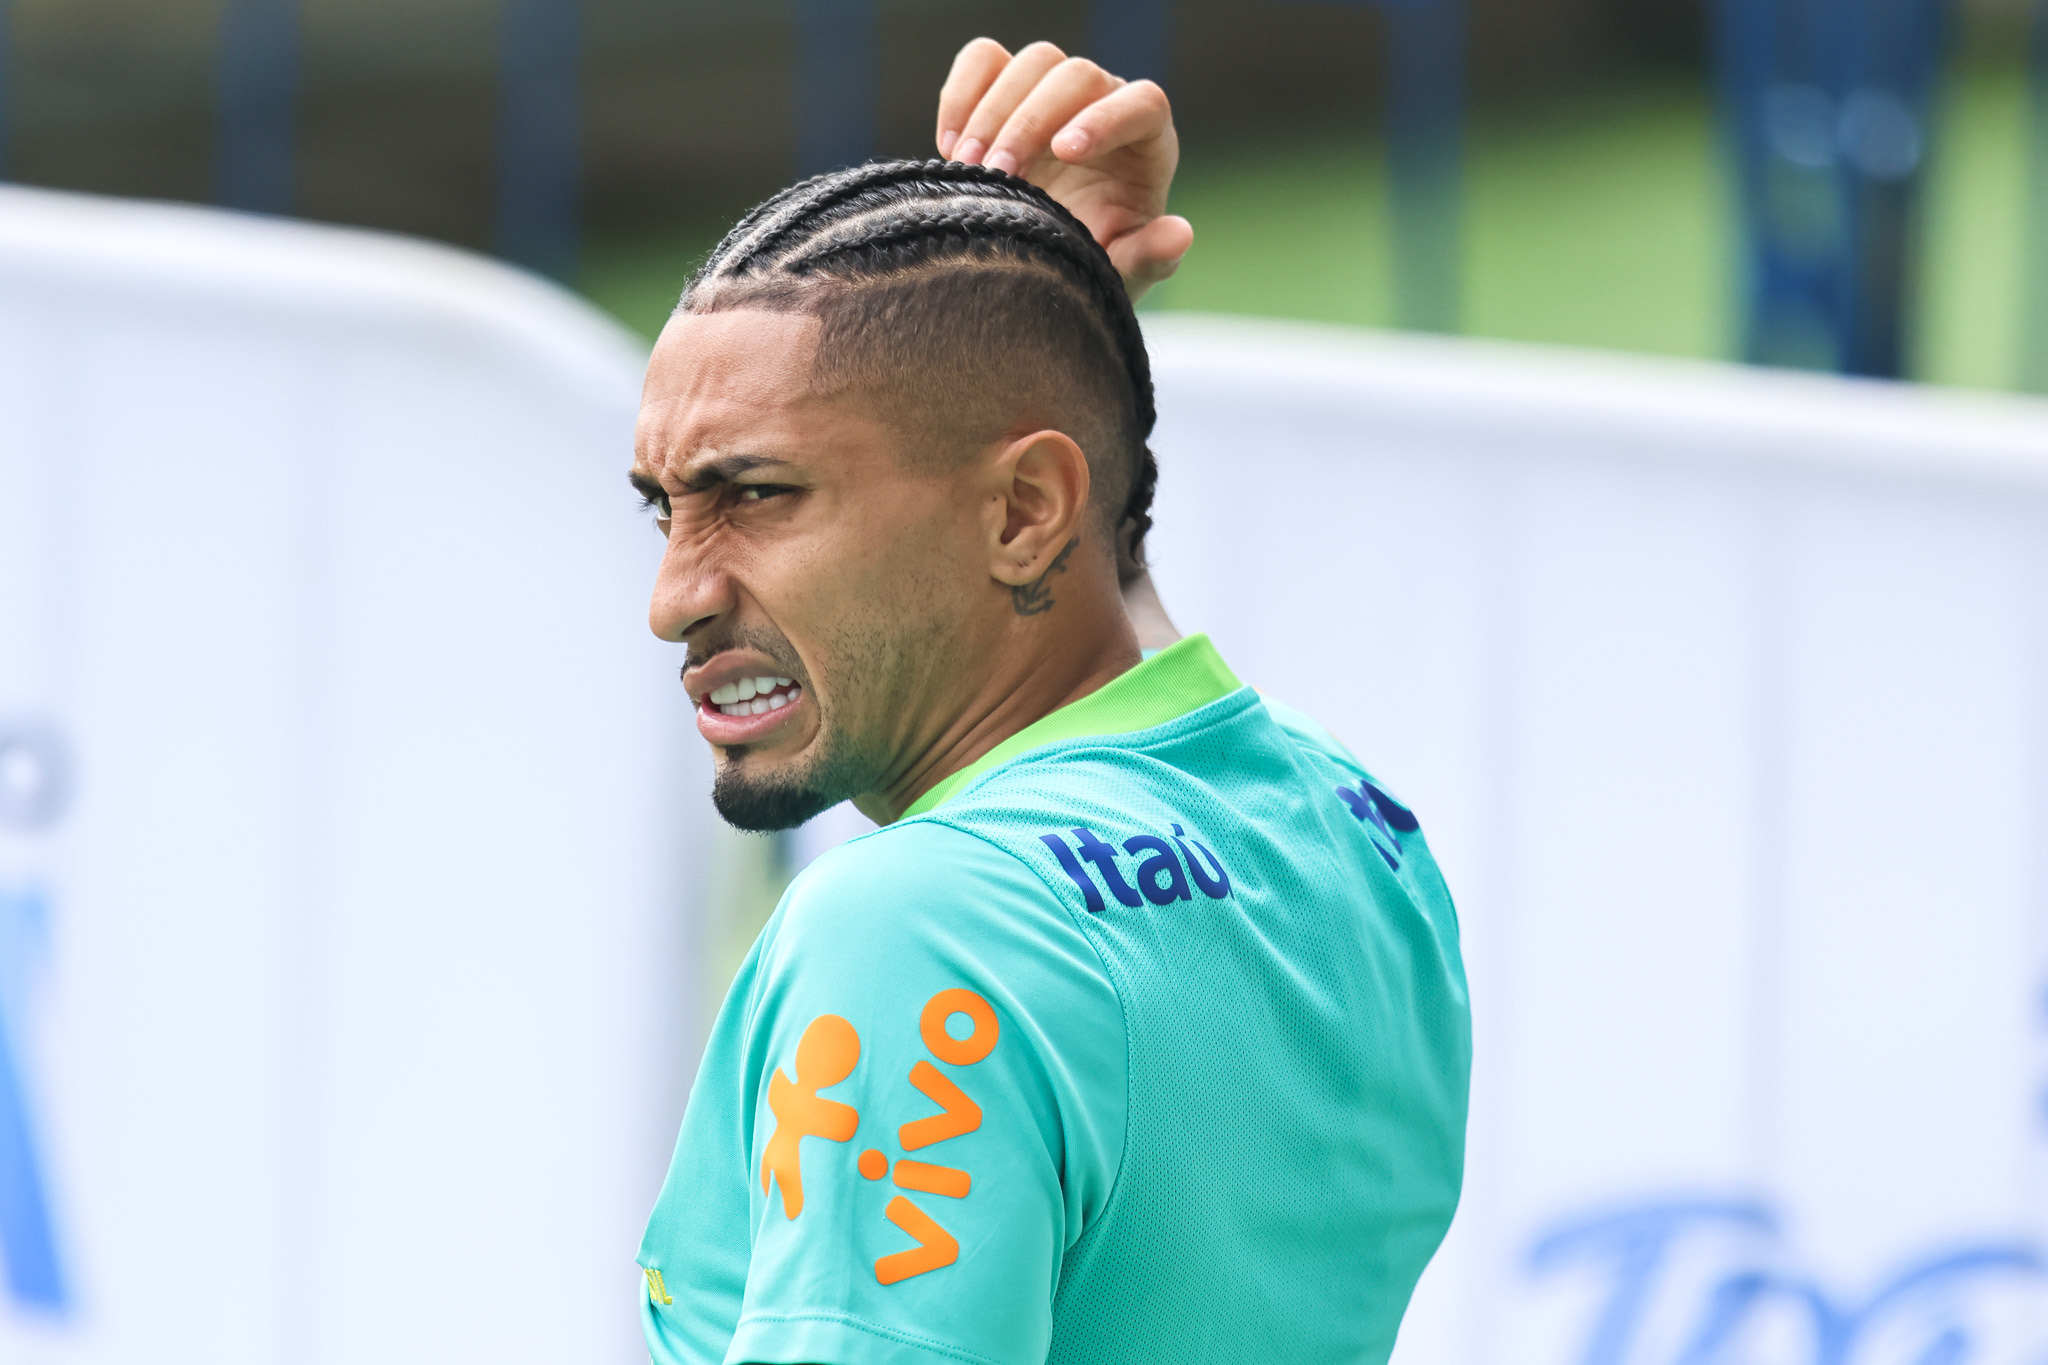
(691, 590)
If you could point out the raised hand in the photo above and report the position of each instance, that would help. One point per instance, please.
(1102, 146)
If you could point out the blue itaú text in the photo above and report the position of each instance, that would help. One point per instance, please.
(27, 1242)
(1157, 874)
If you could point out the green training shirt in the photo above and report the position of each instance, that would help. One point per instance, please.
(1142, 1039)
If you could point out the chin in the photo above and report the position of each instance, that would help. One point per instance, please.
(762, 807)
(761, 799)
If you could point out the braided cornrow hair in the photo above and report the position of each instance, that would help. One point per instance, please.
(890, 219)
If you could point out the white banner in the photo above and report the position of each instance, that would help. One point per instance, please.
(1723, 699)
(347, 808)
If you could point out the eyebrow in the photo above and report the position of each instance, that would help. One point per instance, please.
(710, 474)
(644, 485)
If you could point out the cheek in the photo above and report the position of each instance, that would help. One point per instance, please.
(914, 547)
(881, 609)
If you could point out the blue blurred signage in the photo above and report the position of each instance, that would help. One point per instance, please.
(1743, 1287)
(28, 1243)
(35, 786)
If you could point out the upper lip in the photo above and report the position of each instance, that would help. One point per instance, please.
(729, 667)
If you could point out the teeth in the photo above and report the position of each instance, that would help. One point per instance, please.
(752, 696)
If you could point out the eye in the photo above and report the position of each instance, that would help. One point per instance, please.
(659, 503)
(760, 492)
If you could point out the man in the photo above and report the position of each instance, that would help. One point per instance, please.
(1138, 1030)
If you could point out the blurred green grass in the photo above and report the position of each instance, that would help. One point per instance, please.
(1598, 220)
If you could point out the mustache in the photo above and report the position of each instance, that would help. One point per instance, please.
(769, 642)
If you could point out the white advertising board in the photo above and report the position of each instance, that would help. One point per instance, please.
(346, 804)
(1723, 699)
(348, 813)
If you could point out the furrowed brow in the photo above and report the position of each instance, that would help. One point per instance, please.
(644, 485)
(721, 469)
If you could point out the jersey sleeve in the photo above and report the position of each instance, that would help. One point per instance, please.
(937, 1063)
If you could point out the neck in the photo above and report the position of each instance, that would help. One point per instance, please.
(1044, 669)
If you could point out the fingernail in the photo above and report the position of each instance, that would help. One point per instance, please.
(969, 151)
(1002, 161)
(947, 138)
(1074, 144)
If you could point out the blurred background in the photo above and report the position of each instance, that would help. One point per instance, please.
(1650, 175)
(1827, 184)
(1721, 689)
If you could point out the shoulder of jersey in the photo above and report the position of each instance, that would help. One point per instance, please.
(1308, 733)
(907, 870)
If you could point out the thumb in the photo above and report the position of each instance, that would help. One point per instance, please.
(1151, 253)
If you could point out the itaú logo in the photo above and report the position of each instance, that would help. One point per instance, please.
(1159, 870)
(33, 792)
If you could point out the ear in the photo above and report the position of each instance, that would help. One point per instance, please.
(1039, 506)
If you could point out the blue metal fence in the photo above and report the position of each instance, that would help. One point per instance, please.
(535, 222)
(1131, 37)
(1425, 132)
(1827, 104)
(836, 87)
(837, 95)
(539, 133)
(2033, 360)
(6, 85)
(256, 99)
(1425, 159)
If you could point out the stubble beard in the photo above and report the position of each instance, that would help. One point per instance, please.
(851, 754)
(759, 801)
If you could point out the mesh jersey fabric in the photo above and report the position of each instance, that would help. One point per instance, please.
(1222, 1116)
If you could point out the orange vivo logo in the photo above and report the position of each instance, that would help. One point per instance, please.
(827, 1054)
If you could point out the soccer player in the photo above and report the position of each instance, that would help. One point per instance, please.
(1137, 1032)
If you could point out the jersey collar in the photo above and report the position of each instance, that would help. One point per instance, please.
(1183, 677)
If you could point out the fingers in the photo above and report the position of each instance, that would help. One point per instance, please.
(1012, 113)
(1008, 90)
(975, 69)
(1153, 252)
(1125, 116)
(1051, 105)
